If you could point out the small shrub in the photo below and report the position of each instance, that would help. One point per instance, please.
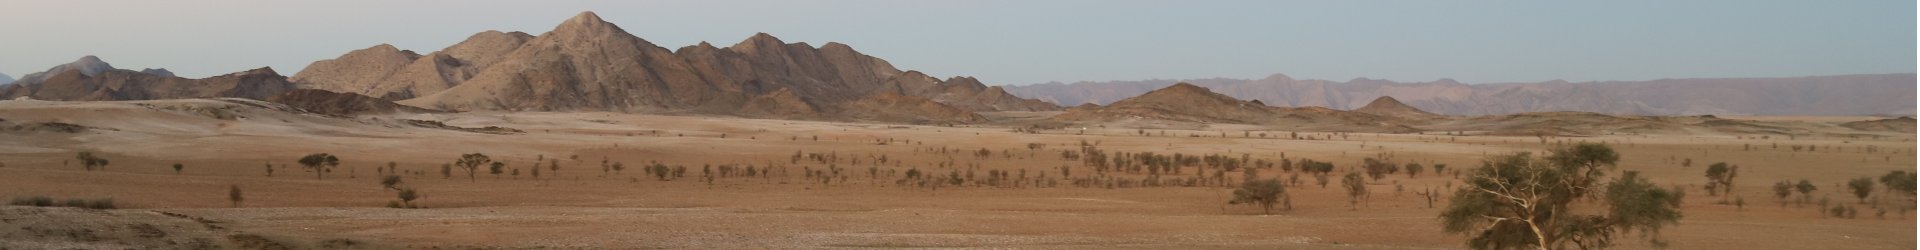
(37, 201)
(102, 203)
(75, 203)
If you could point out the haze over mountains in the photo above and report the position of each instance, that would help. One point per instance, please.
(1816, 95)
(5, 79)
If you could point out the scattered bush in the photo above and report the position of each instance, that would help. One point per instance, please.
(37, 201)
(102, 203)
(44, 201)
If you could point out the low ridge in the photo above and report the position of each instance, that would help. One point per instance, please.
(341, 104)
(1389, 107)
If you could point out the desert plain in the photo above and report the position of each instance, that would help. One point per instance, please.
(227, 143)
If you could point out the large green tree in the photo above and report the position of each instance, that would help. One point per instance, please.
(1521, 201)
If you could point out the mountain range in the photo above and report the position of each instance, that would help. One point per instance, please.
(1814, 95)
(588, 64)
(5, 79)
(91, 79)
(1185, 105)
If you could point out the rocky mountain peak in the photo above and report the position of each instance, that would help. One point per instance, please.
(87, 66)
(967, 81)
(588, 26)
(585, 19)
(759, 41)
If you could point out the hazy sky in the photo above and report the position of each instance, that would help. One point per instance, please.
(1020, 42)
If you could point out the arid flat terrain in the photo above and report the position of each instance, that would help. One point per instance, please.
(863, 202)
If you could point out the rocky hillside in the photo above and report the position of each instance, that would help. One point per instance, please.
(1816, 95)
(390, 73)
(90, 79)
(1180, 102)
(588, 64)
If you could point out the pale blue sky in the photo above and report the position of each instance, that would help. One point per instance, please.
(1021, 42)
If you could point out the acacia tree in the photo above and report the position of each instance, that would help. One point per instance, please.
(1519, 201)
(471, 163)
(177, 167)
(1264, 193)
(407, 196)
(1806, 189)
(1720, 178)
(1356, 187)
(1861, 187)
(320, 163)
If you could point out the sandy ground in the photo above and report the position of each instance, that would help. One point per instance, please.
(580, 206)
